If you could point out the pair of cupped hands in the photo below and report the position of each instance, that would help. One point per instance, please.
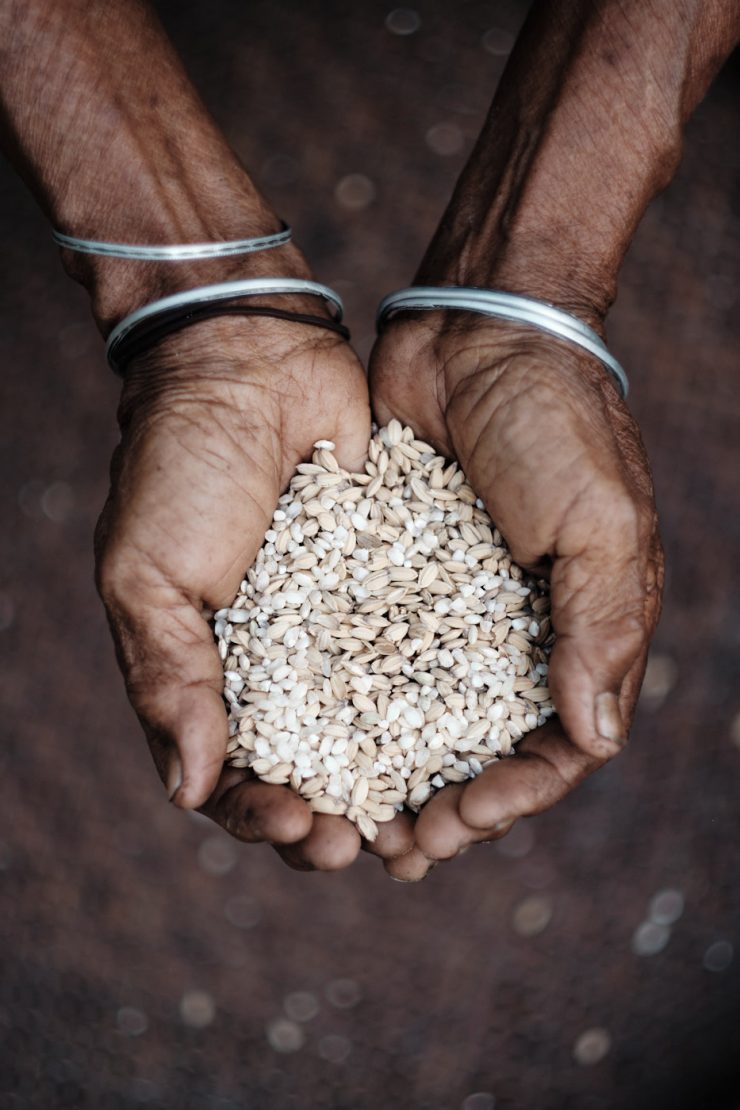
(214, 420)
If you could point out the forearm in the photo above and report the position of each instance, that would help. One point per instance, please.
(584, 130)
(104, 125)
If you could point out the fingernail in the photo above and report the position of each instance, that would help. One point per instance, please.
(174, 775)
(609, 723)
(420, 879)
(501, 827)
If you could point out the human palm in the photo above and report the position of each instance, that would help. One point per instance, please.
(213, 423)
(558, 460)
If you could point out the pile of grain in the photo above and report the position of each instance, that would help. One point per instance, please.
(383, 644)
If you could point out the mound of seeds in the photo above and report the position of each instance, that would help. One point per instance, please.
(383, 644)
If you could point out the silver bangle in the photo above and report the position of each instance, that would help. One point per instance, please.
(507, 306)
(175, 252)
(225, 291)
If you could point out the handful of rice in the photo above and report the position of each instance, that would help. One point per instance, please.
(384, 643)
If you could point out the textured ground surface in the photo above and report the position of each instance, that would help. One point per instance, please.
(150, 961)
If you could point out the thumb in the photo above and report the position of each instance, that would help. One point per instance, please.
(604, 608)
(174, 680)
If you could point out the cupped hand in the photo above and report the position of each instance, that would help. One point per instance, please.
(547, 443)
(213, 422)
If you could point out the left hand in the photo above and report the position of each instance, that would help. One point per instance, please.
(213, 422)
(554, 453)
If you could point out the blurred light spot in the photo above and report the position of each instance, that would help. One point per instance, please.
(445, 139)
(660, 678)
(355, 191)
(343, 993)
(301, 1005)
(718, 956)
(7, 612)
(403, 21)
(242, 911)
(197, 1009)
(650, 938)
(217, 856)
(279, 170)
(497, 41)
(29, 498)
(131, 1021)
(57, 501)
(284, 1035)
(334, 1048)
(480, 1100)
(532, 915)
(517, 843)
(666, 907)
(592, 1046)
(735, 730)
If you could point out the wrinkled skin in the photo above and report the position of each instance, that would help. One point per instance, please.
(213, 422)
(549, 446)
(208, 443)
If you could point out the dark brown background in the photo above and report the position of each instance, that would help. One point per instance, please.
(117, 908)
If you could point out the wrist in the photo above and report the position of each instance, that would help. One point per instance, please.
(580, 137)
(213, 359)
(118, 286)
(532, 264)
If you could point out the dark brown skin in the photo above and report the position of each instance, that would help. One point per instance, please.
(584, 130)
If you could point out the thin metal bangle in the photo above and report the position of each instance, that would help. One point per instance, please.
(506, 306)
(224, 291)
(176, 252)
(148, 333)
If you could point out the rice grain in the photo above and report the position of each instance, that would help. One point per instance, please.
(384, 643)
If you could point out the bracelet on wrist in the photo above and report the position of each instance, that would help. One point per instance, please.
(506, 306)
(175, 252)
(151, 323)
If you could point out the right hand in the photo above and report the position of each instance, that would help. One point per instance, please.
(213, 422)
(554, 453)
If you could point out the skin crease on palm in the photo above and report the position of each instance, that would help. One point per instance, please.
(584, 130)
(207, 456)
(203, 457)
(553, 452)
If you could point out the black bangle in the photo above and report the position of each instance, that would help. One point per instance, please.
(148, 332)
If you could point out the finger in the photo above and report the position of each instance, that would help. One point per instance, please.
(395, 838)
(174, 680)
(411, 867)
(544, 769)
(331, 844)
(352, 435)
(605, 604)
(561, 491)
(255, 811)
(442, 833)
